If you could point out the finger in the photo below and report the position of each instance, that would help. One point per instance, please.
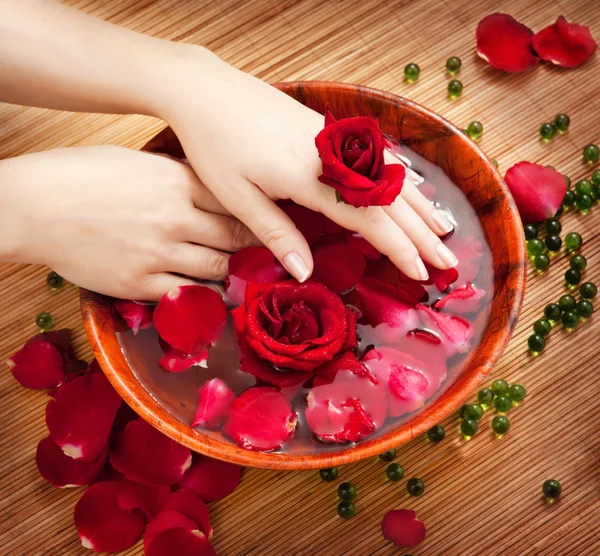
(160, 283)
(217, 231)
(427, 243)
(197, 261)
(434, 218)
(204, 200)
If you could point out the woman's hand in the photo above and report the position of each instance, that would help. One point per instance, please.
(118, 221)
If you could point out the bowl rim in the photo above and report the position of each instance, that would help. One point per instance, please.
(100, 327)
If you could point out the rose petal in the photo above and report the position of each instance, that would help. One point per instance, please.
(61, 339)
(403, 528)
(564, 44)
(176, 361)
(537, 190)
(505, 44)
(149, 499)
(441, 278)
(311, 224)
(461, 300)
(182, 542)
(210, 479)
(144, 454)
(138, 316)
(456, 332)
(214, 400)
(167, 519)
(81, 415)
(469, 252)
(358, 242)
(338, 266)
(326, 373)
(384, 270)
(37, 365)
(193, 507)
(124, 415)
(109, 473)
(332, 227)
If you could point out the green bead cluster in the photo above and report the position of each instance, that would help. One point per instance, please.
(560, 124)
(347, 493)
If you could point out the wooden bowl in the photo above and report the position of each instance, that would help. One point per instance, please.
(463, 161)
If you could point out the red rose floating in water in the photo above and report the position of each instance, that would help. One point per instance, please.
(351, 152)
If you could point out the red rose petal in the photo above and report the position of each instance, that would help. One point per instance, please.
(214, 400)
(564, 44)
(211, 479)
(62, 471)
(101, 524)
(124, 415)
(332, 227)
(311, 224)
(81, 415)
(403, 528)
(61, 339)
(182, 542)
(138, 316)
(176, 361)
(109, 473)
(326, 373)
(441, 278)
(144, 454)
(165, 520)
(455, 332)
(190, 318)
(385, 270)
(261, 418)
(338, 266)
(149, 499)
(193, 507)
(505, 44)
(461, 300)
(537, 190)
(358, 242)
(37, 365)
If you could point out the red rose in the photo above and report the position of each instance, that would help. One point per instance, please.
(351, 152)
(294, 326)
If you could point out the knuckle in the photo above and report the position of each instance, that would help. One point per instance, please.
(241, 236)
(273, 237)
(216, 265)
(372, 215)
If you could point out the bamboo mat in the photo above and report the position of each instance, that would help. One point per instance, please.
(482, 496)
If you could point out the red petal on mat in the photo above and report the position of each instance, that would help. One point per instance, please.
(62, 471)
(124, 415)
(537, 190)
(461, 300)
(149, 499)
(190, 318)
(505, 44)
(564, 44)
(310, 223)
(261, 418)
(61, 339)
(338, 266)
(165, 520)
(137, 316)
(144, 454)
(358, 242)
(403, 528)
(214, 400)
(109, 473)
(101, 524)
(182, 542)
(81, 415)
(211, 479)
(455, 332)
(37, 365)
(193, 507)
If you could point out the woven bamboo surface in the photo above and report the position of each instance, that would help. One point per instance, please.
(482, 496)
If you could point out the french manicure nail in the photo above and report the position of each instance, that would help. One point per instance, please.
(420, 268)
(447, 256)
(442, 222)
(294, 264)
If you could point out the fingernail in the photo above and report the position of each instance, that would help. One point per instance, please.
(420, 268)
(296, 266)
(446, 255)
(443, 224)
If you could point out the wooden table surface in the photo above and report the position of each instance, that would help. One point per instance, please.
(482, 496)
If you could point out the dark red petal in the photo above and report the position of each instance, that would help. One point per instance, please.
(176, 361)
(124, 415)
(193, 507)
(144, 454)
(564, 44)
(37, 365)
(332, 228)
(465, 299)
(441, 278)
(505, 43)
(411, 291)
(310, 223)
(211, 479)
(338, 266)
(101, 524)
(182, 542)
(165, 520)
(456, 332)
(214, 400)
(326, 373)
(109, 473)
(537, 190)
(149, 499)
(190, 318)
(137, 316)
(263, 370)
(62, 471)
(358, 242)
(81, 415)
(403, 528)
(61, 339)
(262, 419)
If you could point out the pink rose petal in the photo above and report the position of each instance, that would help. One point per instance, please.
(403, 528)
(214, 400)
(465, 299)
(456, 332)
(138, 316)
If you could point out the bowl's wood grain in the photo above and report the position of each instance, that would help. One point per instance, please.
(464, 162)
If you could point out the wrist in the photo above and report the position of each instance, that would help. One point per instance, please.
(12, 230)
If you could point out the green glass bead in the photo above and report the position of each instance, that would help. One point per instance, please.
(553, 243)
(330, 474)
(536, 343)
(547, 131)
(569, 319)
(583, 202)
(559, 212)
(499, 387)
(390, 455)
(500, 424)
(572, 277)
(474, 411)
(44, 321)
(475, 130)
(596, 177)
(588, 290)
(502, 404)
(569, 199)
(469, 427)
(455, 88)
(567, 303)
(584, 308)
(415, 487)
(394, 472)
(411, 72)
(584, 186)
(535, 247)
(551, 489)
(485, 396)
(591, 153)
(436, 433)
(578, 262)
(462, 410)
(542, 327)
(495, 162)
(346, 509)
(573, 241)
(453, 65)
(552, 312)
(553, 226)
(347, 491)
(517, 393)
(531, 231)
(562, 122)
(55, 281)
